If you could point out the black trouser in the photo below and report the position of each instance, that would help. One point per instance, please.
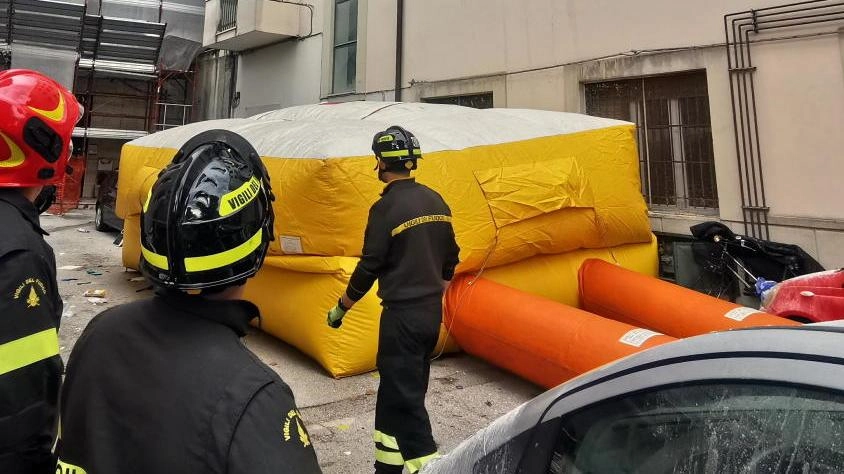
(39, 462)
(407, 337)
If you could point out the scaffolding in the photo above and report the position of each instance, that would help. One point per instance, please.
(129, 62)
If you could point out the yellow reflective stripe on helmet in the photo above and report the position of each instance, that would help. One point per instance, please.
(393, 154)
(385, 138)
(146, 203)
(416, 464)
(154, 259)
(389, 457)
(243, 195)
(68, 468)
(385, 439)
(419, 220)
(55, 114)
(224, 258)
(16, 156)
(417, 151)
(28, 350)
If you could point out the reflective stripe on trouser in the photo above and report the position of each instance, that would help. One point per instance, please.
(407, 337)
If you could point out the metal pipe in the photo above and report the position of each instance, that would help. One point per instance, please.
(763, 203)
(399, 47)
(753, 190)
(233, 83)
(735, 124)
(743, 93)
(742, 130)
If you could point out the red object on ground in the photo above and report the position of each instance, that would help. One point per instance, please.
(69, 190)
(815, 297)
(539, 339)
(617, 293)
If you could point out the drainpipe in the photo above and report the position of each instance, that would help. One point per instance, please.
(399, 46)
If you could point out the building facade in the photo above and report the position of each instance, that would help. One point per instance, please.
(738, 103)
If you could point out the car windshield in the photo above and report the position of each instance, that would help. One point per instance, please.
(721, 428)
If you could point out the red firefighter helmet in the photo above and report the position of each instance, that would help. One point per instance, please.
(37, 116)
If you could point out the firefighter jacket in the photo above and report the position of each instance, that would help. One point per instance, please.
(408, 246)
(30, 366)
(166, 385)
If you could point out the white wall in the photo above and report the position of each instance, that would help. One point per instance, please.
(800, 99)
(469, 46)
(279, 76)
(284, 74)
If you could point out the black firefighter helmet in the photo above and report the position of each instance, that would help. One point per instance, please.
(397, 148)
(208, 219)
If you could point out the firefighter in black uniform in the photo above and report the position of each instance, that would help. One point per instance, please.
(409, 248)
(165, 385)
(37, 116)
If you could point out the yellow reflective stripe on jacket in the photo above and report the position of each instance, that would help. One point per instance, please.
(154, 259)
(416, 464)
(389, 457)
(28, 350)
(385, 439)
(419, 220)
(226, 257)
(68, 468)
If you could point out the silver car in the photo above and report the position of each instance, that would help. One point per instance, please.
(766, 400)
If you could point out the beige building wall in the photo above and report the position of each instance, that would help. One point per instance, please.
(539, 53)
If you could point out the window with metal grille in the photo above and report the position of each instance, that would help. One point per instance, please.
(482, 100)
(345, 46)
(671, 113)
(228, 15)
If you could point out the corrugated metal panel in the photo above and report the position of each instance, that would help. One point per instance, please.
(47, 23)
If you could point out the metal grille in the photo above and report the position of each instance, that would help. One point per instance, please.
(671, 113)
(228, 15)
(477, 101)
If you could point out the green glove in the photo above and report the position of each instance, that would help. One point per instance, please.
(335, 315)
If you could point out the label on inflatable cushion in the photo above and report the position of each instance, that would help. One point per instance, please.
(741, 313)
(637, 337)
(291, 244)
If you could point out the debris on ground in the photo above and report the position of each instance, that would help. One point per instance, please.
(95, 293)
(94, 272)
(70, 279)
(84, 283)
(137, 279)
(84, 231)
(97, 301)
(70, 267)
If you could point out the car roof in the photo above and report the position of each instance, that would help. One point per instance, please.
(812, 341)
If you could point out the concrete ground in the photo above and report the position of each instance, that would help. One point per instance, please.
(465, 393)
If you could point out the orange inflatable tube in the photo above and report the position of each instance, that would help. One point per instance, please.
(623, 295)
(539, 339)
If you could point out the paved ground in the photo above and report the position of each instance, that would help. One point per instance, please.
(465, 393)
